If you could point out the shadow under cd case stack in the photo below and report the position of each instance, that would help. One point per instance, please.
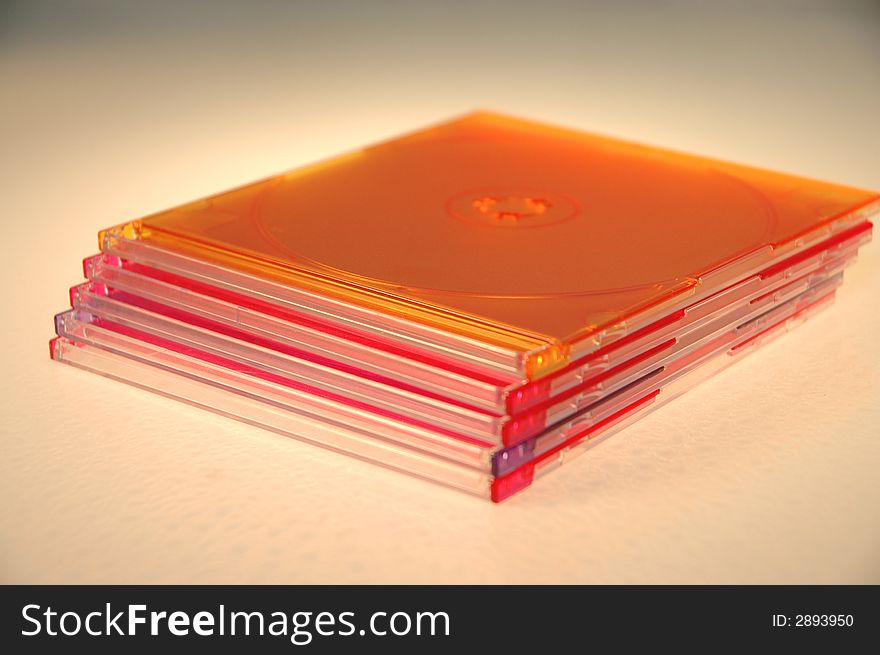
(473, 304)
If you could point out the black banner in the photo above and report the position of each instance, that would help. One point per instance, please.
(432, 619)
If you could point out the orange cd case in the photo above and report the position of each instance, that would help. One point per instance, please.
(510, 236)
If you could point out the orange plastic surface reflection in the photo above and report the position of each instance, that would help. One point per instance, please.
(511, 232)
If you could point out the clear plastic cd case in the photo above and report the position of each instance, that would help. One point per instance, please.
(261, 402)
(452, 415)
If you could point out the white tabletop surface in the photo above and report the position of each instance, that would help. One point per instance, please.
(767, 473)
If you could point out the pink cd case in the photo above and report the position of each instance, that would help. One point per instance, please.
(262, 401)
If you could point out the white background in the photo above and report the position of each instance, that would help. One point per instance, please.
(108, 111)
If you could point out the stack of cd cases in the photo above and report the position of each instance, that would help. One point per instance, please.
(473, 304)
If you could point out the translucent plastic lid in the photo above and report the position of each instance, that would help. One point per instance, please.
(527, 237)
